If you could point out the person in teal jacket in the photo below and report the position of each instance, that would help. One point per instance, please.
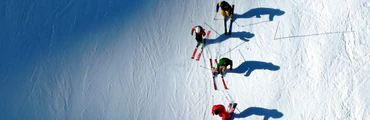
(222, 64)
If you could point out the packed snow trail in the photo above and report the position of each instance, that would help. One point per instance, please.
(130, 60)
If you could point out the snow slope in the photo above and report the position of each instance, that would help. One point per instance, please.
(97, 59)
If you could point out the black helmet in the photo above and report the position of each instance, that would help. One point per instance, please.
(217, 112)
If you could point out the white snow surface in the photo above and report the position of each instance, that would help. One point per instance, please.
(130, 60)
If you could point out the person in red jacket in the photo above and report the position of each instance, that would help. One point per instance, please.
(221, 111)
(199, 34)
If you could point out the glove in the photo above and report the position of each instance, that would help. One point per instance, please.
(191, 34)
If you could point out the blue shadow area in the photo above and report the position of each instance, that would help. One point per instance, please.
(35, 33)
(241, 35)
(257, 12)
(250, 66)
(34, 30)
(266, 113)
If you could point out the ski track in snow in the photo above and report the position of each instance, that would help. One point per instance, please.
(133, 62)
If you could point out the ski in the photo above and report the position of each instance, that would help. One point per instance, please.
(222, 77)
(231, 19)
(225, 26)
(201, 50)
(229, 107)
(213, 76)
(195, 51)
(223, 81)
(233, 108)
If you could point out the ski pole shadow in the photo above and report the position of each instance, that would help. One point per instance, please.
(266, 113)
(316, 34)
(250, 66)
(260, 11)
(241, 35)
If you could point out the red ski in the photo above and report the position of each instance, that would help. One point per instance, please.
(222, 76)
(201, 50)
(232, 107)
(195, 51)
(213, 76)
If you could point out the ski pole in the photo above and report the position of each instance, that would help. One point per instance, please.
(276, 30)
(212, 100)
(241, 54)
(236, 23)
(233, 48)
(214, 18)
(238, 110)
(205, 67)
(212, 28)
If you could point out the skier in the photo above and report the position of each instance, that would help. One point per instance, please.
(221, 111)
(226, 9)
(199, 34)
(223, 63)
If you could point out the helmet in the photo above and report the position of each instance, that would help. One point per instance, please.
(198, 29)
(217, 112)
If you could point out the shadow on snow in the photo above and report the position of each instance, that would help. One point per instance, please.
(241, 35)
(260, 11)
(266, 113)
(250, 66)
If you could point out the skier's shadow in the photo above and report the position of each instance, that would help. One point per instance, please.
(260, 11)
(241, 35)
(266, 113)
(250, 66)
